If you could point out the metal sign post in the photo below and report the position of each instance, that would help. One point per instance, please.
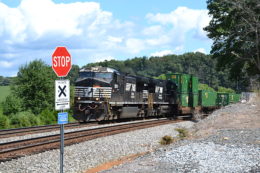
(61, 65)
(61, 103)
(62, 119)
(61, 147)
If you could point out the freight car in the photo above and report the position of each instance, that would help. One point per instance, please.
(103, 93)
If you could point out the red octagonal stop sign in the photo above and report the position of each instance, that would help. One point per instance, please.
(61, 61)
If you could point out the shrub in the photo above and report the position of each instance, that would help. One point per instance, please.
(24, 119)
(205, 87)
(48, 117)
(20, 120)
(166, 140)
(71, 119)
(4, 122)
(12, 105)
(183, 133)
(34, 120)
(225, 90)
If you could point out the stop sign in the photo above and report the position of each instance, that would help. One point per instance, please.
(61, 61)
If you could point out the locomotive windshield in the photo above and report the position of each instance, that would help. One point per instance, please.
(103, 75)
(95, 74)
(86, 74)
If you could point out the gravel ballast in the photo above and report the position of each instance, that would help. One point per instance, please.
(89, 154)
(217, 153)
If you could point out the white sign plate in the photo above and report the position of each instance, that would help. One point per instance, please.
(62, 94)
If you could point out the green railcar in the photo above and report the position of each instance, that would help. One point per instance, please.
(237, 97)
(231, 97)
(184, 99)
(234, 98)
(207, 98)
(193, 100)
(182, 81)
(194, 84)
(222, 99)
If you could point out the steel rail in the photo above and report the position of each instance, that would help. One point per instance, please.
(35, 129)
(89, 133)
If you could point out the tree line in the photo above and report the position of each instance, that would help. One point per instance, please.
(198, 64)
(5, 81)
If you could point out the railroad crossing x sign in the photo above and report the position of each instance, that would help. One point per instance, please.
(62, 94)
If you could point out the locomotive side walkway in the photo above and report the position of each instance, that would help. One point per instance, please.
(226, 141)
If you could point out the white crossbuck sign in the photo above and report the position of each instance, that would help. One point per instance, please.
(62, 94)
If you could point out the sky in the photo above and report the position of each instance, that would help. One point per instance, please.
(99, 30)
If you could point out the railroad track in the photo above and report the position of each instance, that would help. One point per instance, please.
(15, 149)
(36, 129)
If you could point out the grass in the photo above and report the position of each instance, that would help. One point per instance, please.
(166, 140)
(4, 92)
(183, 133)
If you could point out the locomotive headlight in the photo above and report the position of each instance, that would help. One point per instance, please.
(78, 98)
(97, 99)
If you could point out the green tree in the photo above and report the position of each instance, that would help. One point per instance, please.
(24, 119)
(225, 90)
(73, 74)
(12, 105)
(35, 85)
(198, 64)
(4, 121)
(235, 30)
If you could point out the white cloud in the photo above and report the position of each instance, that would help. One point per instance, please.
(153, 30)
(134, 45)
(34, 28)
(103, 58)
(201, 50)
(182, 20)
(44, 23)
(6, 64)
(162, 53)
(160, 40)
(114, 39)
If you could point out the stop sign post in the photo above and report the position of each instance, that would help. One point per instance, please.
(61, 65)
(61, 61)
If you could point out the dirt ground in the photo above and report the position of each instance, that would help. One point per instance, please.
(236, 116)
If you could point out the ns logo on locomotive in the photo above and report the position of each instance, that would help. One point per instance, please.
(103, 93)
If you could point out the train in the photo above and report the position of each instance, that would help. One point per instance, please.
(103, 93)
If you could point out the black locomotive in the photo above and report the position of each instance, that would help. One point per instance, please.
(103, 93)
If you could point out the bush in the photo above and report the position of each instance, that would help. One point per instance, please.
(4, 122)
(71, 119)
(12, 105)
(225, 90)
(166, 140)
(205, 87)
(183, 133)
(24, 119)
(48, 117)
(20, 120)
(34, 120)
